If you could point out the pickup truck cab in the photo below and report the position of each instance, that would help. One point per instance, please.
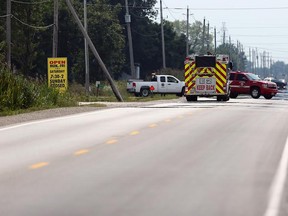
(160, 84)
(251, 84)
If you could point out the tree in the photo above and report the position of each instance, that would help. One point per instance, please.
(2, 32)
(279, 70)
(195, 38)
(236, 55)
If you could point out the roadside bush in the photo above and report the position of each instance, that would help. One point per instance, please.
(18, 93)
(15, 91)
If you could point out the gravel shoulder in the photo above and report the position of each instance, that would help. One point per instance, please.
(83, 107)
(45, 114)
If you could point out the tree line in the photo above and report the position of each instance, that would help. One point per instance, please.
(32, 38)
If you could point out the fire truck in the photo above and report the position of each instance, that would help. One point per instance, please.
(207, 76)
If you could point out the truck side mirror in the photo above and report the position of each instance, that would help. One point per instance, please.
(230, 65)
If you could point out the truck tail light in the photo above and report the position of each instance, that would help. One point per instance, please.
(134, 85)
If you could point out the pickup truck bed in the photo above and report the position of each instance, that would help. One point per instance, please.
(163, 84)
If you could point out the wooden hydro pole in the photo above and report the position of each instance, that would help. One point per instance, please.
(94, 51)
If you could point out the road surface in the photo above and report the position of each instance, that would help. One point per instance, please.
(205, 159)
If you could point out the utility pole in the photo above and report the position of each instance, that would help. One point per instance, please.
(257, 60)
(128, 21)
(162, 34)
(55, 29)
(215, 40)
(187, 33)
(230, 49)
(250, 60)
(94, 51)
(203, 38)
(87, 79)
(224, 33)
(208, 39)
(8, 33)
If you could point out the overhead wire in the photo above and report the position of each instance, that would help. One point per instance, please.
(31, 3)
(32, 26)
(4, 16)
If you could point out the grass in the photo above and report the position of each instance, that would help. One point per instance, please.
(20, 95)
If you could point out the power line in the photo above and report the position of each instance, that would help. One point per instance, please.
(259, 35)
(30, 3)
(260, 8)
(266, 27)
(267, 43)
(205, 9)
(152, 35)
(31, 26)
(4, 16)
(170, 12)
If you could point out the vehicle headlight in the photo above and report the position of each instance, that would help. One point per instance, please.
(265, 85)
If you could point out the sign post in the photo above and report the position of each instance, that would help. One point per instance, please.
(57, 73)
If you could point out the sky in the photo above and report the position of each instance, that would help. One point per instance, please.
(259, 25)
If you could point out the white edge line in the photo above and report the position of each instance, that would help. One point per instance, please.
(277, 188)
(52, 119)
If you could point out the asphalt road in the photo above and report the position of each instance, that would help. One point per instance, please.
(172, 159)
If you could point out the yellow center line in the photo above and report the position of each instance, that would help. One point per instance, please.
(112, 141)
(81, 152)
(134, 133)
(153, 125)
(39, 165)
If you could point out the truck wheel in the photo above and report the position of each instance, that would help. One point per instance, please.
(145, 92)
(226, 98)
(255, 92)
(233, 95)
(219, 98)
(223, 98)
(268, 96)
(182, 92)
(191, 98)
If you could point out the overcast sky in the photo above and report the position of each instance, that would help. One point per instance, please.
(261, 24)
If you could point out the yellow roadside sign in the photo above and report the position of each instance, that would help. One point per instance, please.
(57, 73)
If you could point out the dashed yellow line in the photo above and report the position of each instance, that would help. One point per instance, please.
(81, 152)
(112, 141)
(39, 165)
(152, 125)
(134, 133)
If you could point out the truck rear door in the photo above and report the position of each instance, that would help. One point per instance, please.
(162, 84)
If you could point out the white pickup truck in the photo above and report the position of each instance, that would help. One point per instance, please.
(160, 84)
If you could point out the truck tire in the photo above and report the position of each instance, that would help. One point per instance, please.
(268, 96)
(191, 98)
(255, 92)
(223, 98)
(182, 92)
(226, 98)
(145, 92)
(219, 98)
(233, 95)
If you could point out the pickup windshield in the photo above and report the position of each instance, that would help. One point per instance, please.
(252, 76)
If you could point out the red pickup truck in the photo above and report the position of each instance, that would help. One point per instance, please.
(249, 83)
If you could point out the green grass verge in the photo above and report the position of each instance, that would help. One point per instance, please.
(21, 95)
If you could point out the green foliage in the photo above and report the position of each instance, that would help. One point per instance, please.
(195, 38)
(236, 55)
(16, 92)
